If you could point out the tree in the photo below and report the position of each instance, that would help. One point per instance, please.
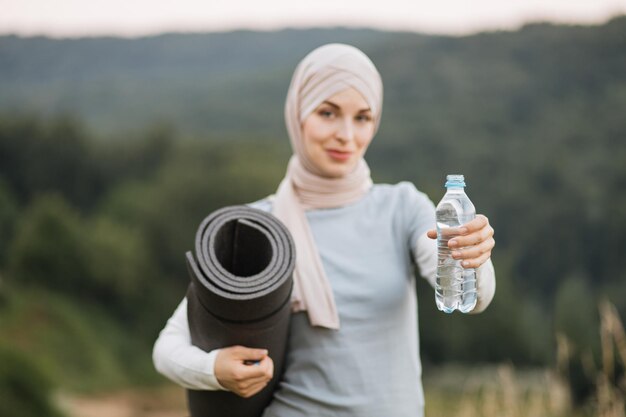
(8, 217)
(48, 250)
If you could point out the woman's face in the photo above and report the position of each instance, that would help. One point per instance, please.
(337, 133)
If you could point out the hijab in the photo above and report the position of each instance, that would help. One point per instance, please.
(324, 72)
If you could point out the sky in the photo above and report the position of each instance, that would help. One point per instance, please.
(131, 18)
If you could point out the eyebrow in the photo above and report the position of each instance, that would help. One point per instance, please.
(330, 103)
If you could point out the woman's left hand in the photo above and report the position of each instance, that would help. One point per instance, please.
(474, 244)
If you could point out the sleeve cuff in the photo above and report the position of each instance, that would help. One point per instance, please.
(486, 286)
(210, 370)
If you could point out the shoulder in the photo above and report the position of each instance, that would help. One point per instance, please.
(410, 211)
(403, 193)
(264, 204)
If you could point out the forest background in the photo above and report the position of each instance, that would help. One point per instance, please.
(112, 151)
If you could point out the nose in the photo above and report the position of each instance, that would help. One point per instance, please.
(345, 132)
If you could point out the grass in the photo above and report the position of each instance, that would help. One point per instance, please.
(451, 391)
(503, 391)
(496, 391)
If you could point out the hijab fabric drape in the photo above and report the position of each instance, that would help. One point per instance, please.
(323, 73)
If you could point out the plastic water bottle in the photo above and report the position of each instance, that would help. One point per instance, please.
(456, 286)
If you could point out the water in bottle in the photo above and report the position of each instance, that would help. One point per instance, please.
(456, 286)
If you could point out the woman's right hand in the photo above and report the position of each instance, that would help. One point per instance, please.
(243, 370)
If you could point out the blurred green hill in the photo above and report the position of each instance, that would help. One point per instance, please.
(235, 82)
(203, 83)
(113, 150)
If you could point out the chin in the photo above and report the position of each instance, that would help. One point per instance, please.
(337, 170)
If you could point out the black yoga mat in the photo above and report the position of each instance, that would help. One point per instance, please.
(241, 280)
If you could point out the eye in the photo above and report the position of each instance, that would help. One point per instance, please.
(365, 117)
(326, 113)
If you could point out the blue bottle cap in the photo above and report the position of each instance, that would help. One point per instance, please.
(455, 180)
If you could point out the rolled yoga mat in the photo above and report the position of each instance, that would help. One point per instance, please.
(241, 280)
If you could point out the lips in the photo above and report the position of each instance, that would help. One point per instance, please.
(338, 155)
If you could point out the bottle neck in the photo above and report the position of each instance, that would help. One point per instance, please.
(455, 189)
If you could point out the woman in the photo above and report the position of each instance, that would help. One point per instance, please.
(353, 343)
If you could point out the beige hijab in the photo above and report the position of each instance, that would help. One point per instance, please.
(323, 73)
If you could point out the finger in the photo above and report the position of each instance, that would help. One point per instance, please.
(477, 223)
(248, 354)
(246, 372)
(253, 389)
(264, 368)
(471, 239)
(267, 366)
(432, 233)
(271, 368)
(474, 251)
(250, 383)
(476, 262)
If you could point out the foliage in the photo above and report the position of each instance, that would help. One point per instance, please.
(112, 151)
(35, 158)
(47, 249)
(25, 390)
(8, 217)
(80, 346)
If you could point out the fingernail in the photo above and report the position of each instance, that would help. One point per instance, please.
(466, 263)
(452, 243)
(456, 254)
(463, 230)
